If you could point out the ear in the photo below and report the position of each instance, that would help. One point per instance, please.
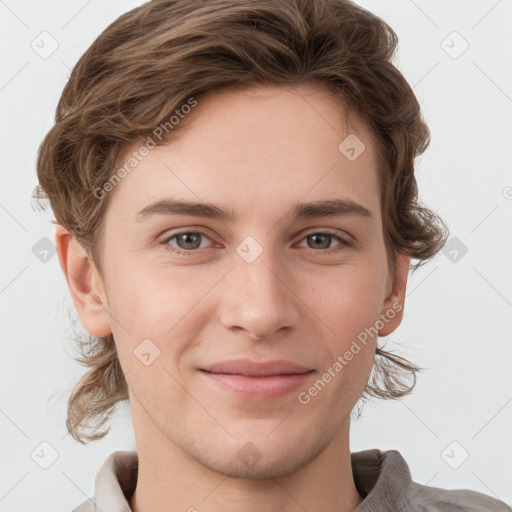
(392, 310)
(84, 282)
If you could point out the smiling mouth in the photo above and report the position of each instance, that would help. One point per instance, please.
(250, 368)
(258, 387)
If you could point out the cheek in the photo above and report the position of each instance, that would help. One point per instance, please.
(350, 304)
(347, 299)
(150, 301)
(162, 305)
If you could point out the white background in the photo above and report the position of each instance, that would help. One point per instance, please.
(457, 316)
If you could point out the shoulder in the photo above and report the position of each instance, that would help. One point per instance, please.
(434, 499)
(384, 479)
(114, 482)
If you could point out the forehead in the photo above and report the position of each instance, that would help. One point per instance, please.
(254, 147)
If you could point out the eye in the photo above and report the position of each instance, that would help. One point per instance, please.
(187, 242)
(322, 241)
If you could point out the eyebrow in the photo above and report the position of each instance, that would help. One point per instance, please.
(312, 210)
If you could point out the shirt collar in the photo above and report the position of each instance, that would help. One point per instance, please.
(115, 482)
(382, 479)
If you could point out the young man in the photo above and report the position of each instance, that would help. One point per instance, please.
(236, 212)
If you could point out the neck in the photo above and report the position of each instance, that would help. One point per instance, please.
(169, 479)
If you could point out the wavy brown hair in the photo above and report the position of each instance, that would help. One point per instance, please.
(153, 59)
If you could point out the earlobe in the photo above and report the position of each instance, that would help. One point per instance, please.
(393, 307)
(84, 283)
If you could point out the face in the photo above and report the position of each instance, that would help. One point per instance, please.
(272, 280)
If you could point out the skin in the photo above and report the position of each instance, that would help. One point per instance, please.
(257, 153)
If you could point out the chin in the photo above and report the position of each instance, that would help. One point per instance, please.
(266, 467)
(263, 456)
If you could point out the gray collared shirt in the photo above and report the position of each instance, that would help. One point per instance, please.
(382, 478)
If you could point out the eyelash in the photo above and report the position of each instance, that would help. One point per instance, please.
(170, 248)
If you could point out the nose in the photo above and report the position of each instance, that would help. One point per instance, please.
(258, 298)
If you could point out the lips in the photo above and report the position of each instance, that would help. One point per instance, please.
(251, 368)
(254, 380)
